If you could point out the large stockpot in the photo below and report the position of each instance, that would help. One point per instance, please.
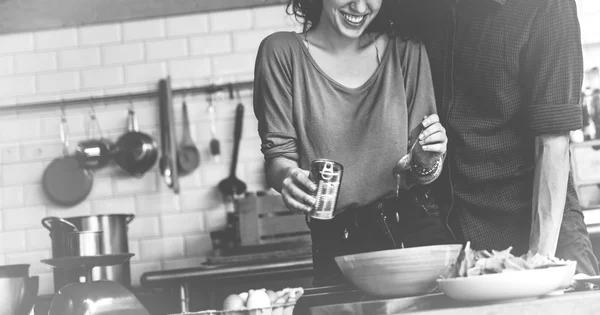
(114, 240)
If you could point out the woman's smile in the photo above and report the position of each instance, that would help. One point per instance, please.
(356, 20)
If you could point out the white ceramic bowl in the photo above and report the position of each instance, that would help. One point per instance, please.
(568, 278)
(398, 272)
(505, 286)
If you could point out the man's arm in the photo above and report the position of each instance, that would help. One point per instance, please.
(549, 191)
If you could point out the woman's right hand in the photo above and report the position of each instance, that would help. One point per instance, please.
(296, 191)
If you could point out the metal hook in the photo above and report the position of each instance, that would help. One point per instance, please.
(230, 88)
(129, 98)
(237, 94)
(63, 115)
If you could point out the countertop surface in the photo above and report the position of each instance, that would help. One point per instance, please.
(584, 302)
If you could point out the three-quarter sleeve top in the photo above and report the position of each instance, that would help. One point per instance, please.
(304, 114)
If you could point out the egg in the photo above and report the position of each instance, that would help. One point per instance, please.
(233, 302)
(259, 299)
(244, 296)
(272, 296)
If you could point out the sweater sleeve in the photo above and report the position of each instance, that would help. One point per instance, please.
(553, 69)
(273, 99)
(420, 98)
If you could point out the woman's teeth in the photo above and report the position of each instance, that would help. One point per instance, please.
(355, 19)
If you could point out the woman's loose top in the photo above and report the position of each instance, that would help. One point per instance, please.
(303, 114)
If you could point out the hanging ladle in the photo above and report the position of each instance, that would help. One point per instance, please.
(188, 156)
(233, 186)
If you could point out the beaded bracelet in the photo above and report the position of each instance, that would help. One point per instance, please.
(422, 171)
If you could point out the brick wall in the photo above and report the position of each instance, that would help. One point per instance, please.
(168, 231)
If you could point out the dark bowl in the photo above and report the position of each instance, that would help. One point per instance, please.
(14, 271)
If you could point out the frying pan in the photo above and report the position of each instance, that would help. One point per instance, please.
(232, 185)
(135, 152)
(64, 181)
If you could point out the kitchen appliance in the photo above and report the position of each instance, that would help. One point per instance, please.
(17, 295)
(93, 297)
(114, 240)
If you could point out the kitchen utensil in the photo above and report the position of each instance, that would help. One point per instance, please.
(232, 186)
(77, 262)
(96, 298)
(404, 162)
(188, 156)
(569, 274)
(114, 240)
(64, 181)
(14, 271)
(506, 285)
(402, 166)
(168, 158)
(85, 243)
(583, 278)
(17, 295)
(135, 152)
(93, 297)
(215, 145)
(398, 272)
(94, 153)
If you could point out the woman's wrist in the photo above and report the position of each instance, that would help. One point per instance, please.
(423, 170)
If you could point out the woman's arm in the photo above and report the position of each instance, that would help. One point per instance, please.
(423, 122)
(273, 107)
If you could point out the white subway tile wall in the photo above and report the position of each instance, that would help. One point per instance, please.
(168, 231)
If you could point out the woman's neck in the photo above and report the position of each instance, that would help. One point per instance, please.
(328, 38)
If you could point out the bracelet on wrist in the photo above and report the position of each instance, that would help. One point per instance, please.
(425, 171)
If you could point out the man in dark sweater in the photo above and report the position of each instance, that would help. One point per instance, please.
(508, 76)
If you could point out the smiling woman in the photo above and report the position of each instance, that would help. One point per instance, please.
(347, 89)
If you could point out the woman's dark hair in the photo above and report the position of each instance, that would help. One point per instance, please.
(308, 12)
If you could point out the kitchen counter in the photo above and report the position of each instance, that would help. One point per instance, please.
(586, 302)
(207, 277)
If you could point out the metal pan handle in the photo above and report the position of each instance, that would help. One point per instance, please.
(46, 222)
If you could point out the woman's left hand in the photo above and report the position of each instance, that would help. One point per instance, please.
(432, 142)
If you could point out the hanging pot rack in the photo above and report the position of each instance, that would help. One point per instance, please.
(107, 99)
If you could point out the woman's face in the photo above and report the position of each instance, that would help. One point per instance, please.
(350, 18)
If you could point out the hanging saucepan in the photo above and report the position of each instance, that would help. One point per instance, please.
(94, 153)
(135, 152)
(64, 181)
